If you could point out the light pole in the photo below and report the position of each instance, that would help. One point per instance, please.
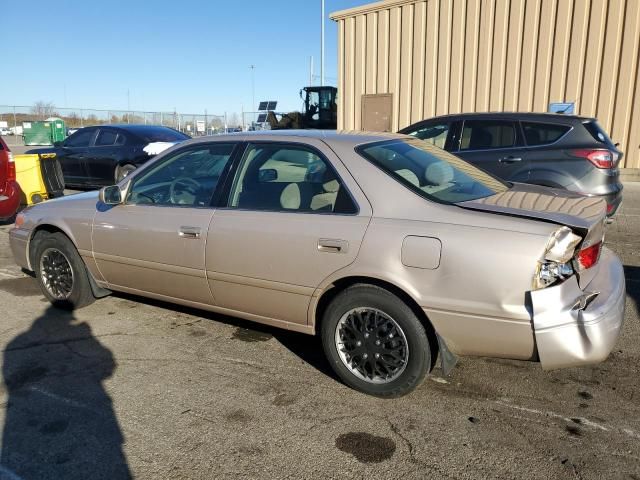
(253, 92)
(322, 44)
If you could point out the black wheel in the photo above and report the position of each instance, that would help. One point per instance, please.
(374, 341)
(61, 272)
(123, 170)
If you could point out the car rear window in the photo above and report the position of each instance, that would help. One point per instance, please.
(543, 133)
(159, 134)
(430, 171)
(596, 131)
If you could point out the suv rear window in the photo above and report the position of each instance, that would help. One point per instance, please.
(596, 131)
(543, 133)
(430, 171)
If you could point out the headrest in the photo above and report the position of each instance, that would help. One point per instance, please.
(439, 173)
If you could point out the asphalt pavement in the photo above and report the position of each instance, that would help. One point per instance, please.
(133, 387)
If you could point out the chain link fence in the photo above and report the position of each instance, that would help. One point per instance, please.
(13, 116)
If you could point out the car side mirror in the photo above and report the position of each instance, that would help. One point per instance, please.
(267, 175)
(111, 195)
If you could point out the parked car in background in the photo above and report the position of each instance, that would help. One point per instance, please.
(5, 131)
(562, 151)
(101, 155)
(393, 250)
(9, 190)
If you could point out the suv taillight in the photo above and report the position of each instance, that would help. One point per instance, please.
(599, 157)
(11, 167)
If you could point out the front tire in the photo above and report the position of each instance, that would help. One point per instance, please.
(61, 273)
(375, 342)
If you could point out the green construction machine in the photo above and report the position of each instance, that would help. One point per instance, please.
(320, 111)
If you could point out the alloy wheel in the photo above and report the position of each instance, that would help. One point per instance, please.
(371, 345)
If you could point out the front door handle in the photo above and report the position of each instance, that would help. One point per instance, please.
(333, 245)
(509, 159)
(189, 232)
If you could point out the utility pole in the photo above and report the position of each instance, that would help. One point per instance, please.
(253, 91)
(322, 44)
(311, 70)
(128, 106)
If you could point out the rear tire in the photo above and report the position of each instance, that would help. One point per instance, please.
(374, 341)
(123, 171)
(61, 273)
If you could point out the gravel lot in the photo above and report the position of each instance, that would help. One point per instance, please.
(130, 386)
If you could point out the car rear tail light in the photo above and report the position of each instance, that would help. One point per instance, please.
(11, 167)
(599, 157)
(589, 256)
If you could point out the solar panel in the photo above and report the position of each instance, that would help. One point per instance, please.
(262, 118)
(263, 106)
(271, 104)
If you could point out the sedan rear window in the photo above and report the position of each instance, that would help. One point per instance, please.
(158, 134)
(431, 172)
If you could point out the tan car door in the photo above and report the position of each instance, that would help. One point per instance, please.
(294, 216)
(155, 242)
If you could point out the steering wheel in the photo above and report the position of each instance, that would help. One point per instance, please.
(192, 187)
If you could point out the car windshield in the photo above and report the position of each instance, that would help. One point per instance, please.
(431, 172)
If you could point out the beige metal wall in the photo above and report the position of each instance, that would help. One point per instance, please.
(449, 56)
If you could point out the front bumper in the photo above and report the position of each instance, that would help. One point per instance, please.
(572, 326)
(19, 243)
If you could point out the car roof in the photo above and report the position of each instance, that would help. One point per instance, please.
(137, 128)
(531, 116)
(347, 137)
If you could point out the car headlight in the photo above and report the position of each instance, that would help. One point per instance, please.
(556, 264)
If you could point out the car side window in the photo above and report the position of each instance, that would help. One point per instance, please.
(434, 134)
(106, 138)
(277, 177)
(188, 177)
(542, 133)
(81, 138)
(487, 134)
(121, 140)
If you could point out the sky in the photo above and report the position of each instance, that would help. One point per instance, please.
(153, 55)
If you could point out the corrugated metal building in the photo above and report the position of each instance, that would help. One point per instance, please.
(417, 59)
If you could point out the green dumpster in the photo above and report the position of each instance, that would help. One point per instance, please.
(44, 132)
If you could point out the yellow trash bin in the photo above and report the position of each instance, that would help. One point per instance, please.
(39, 176)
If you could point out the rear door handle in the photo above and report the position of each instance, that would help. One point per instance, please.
(333, 245)
(189, 232)
(509, 159)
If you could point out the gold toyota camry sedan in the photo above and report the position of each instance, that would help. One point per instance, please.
(395, 252)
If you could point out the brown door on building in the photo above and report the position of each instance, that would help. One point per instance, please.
(376, 112)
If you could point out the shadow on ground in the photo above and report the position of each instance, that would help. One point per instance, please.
(59, 420)
(307, 347)
(632, 277)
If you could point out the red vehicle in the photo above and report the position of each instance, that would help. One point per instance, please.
(9, 190)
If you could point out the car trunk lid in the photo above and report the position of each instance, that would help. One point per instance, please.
(542, 203)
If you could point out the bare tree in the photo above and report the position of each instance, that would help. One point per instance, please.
(43, 109)
(233, 120)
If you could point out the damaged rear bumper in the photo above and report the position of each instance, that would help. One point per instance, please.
(576, 326)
